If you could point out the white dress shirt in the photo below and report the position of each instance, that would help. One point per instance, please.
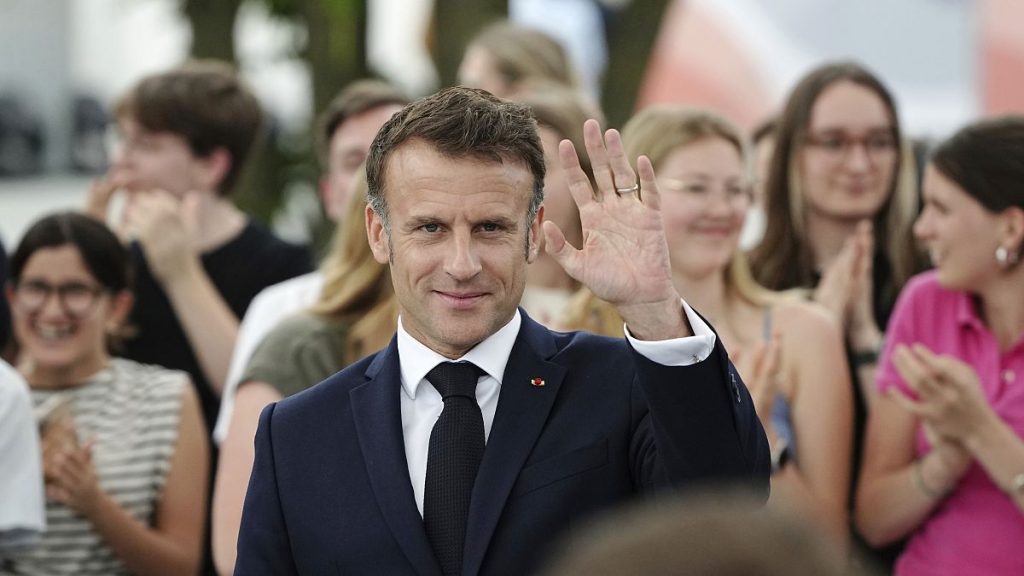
(422, 404)
(22, 508)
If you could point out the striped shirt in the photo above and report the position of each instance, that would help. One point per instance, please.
(132, 411)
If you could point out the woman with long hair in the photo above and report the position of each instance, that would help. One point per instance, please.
(840, 200)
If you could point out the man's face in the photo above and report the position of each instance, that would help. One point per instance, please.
(458, 246)
(146, 160)
(348, 148)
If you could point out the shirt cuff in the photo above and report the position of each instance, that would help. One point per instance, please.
(678, 351)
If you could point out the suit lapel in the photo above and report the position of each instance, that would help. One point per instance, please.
(523, 408)
(377, 411)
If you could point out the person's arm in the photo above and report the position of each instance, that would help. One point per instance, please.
(173, 546)
(897, 491)
(951, 403)
(999, 450)
(165, 228)
(234, 468)
(624, 260)
(209, 324)
(822, 416)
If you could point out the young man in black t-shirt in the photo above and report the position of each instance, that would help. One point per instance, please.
(185, 135)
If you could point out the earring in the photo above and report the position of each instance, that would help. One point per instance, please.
(1005, 258)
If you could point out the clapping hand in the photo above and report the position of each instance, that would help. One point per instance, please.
(68, 469)
(949, 396)
(950, 402)
(624, 258)
(846, 289)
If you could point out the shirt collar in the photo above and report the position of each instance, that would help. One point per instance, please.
(966, 311)
(415, 359)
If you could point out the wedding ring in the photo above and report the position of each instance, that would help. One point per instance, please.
(627, 190)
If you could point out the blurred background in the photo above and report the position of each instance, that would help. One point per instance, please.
(64, 62)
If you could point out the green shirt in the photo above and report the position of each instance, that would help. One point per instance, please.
(299, 352)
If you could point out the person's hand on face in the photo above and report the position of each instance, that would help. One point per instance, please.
(99, 198)
(624, 258)
(165, 226)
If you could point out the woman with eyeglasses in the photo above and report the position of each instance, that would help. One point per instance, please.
(840, 200)
(788, 352)
(944, 456)
(124, 455)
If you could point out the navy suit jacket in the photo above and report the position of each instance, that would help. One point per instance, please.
(330, 491)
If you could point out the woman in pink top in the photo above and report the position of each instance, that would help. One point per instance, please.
(944, 462)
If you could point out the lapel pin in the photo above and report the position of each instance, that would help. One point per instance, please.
(538, 382)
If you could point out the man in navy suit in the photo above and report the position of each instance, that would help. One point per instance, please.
(346, 478)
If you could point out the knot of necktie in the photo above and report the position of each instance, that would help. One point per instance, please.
(455, 379)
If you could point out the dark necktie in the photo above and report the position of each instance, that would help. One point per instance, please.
(456, 449)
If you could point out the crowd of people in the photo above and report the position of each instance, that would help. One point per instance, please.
(676, 307)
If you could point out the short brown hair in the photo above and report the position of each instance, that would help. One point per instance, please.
(358, 97)
(460, 123)
(205, 103)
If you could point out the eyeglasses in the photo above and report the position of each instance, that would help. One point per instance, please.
(76, 298)
(702, 192)
(879, 146)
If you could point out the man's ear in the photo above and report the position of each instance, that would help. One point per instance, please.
(214, 168)
(535, 237)
(378, 236)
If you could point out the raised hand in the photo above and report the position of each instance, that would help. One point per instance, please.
(624, 257)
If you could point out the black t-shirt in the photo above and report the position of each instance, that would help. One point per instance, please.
(239, 270)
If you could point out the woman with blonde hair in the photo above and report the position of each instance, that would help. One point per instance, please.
(355, 315)
(788, 351)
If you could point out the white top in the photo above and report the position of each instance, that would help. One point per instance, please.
(22, 508)
(269, 307)
(422, 404)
